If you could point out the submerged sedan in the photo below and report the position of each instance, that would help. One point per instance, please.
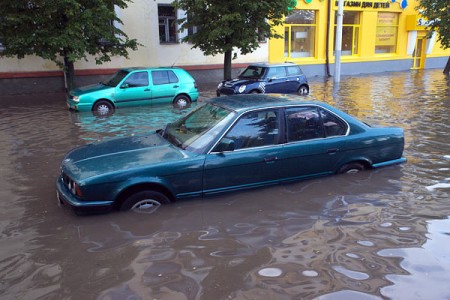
(227, 144)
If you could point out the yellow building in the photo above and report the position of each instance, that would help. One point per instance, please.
(377, 36)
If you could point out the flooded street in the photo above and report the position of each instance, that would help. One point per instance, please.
(380, 234)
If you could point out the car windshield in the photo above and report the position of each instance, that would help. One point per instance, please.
(116, 78)
(199, 129)
(252, 72)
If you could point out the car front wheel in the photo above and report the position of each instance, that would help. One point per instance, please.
(145, 202)
(103, 108)
(303, 90)
(181, 101)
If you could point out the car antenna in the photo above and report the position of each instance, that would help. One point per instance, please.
(175, 61)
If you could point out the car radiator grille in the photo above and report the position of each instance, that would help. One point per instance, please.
(227, 91)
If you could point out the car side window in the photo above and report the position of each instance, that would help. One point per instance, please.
(293, 70)
(333, 125)
(164, 77)
(137, 79)
(276, 72)
(255, 129)
(303, 123)
(172, 77)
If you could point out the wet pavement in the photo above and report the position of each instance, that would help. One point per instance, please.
(374, 235)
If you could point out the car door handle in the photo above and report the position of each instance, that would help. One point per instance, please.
(176, 86)
(332, 151)
(147, 90)
(270, 159)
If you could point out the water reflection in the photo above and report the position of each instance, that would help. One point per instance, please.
(378, 234)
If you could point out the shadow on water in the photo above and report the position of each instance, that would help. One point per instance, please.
(377, 234)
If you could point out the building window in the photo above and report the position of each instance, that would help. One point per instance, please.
(350, 32)
(300, 34)
(167, 24)
(193, 29)
(387, 28)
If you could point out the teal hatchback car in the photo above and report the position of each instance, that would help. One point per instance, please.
(227, 144)
(133, 87)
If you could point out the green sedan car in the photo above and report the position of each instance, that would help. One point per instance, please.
(227, 144)
(133, 87)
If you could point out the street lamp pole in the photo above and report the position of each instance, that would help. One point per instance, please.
(338, 43)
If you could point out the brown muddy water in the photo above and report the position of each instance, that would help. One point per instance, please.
(381, 234)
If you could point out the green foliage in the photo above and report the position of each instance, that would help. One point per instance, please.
(438, 15)
(226, 24)
(71, 29)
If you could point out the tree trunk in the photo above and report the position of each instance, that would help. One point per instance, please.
(447, 67)
(69, 74)
(227, 65)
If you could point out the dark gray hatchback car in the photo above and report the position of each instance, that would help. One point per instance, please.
(285, 78)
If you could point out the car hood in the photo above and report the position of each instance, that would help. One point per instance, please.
(239, 82)
(120, 155)
(89, 89)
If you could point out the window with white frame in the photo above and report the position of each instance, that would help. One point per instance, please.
(167, 24)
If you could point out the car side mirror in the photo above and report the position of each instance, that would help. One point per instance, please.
(125, 86)
(224, 145)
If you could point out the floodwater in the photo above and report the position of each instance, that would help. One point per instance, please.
(381, 234)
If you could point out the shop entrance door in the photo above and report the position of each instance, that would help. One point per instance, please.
(419, 54)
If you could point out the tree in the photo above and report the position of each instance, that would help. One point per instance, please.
(223, 25)
(63, 31)
(438, 15)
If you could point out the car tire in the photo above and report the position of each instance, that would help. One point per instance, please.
(103, 108)
(351, 168)
(303, 90)
(144, 202)
(181, 101)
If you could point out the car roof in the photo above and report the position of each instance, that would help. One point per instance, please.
(246, 102)
(266, 65)
(149, 68)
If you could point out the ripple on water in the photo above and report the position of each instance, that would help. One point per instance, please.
(270, 272)
(351, 274)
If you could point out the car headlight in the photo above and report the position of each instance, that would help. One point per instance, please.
(76, 98)
(242, 88)
(220, 85)
(75, 188)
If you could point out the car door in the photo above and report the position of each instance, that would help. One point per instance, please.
(276, 80)
(293, 78)
(312, 149)
(253, 159)
(165, 86)
(133, 90)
